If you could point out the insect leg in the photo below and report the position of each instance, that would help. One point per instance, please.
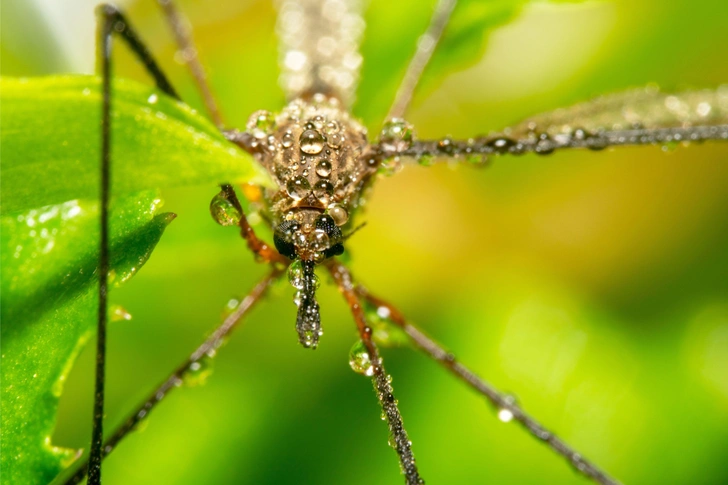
(380, 378)
(110, 21)
(501, 401)
(633, 117)
(187, 49)
(255, 244)
(544, 144)
(205, 350)
(425, 47)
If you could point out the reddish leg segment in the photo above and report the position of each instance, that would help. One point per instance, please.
(380, 378)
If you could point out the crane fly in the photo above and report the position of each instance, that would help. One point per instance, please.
(312, 221)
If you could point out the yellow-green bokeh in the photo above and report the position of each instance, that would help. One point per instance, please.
(592, 286)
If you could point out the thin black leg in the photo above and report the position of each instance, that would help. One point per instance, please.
(110, 21)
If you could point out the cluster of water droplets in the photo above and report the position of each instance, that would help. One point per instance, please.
(398, 438)
(312, 149)
(295, 278)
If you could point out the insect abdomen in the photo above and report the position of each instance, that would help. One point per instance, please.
(319, 47)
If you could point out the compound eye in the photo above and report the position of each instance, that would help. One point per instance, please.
(326, 223)
(283, 238)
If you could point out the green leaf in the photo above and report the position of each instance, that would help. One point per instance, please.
(387, 54)
(50, 139)
(49, 300)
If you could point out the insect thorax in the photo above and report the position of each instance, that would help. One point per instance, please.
(314, 152)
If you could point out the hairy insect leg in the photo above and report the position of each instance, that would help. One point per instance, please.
(381, 380)
(259, 247)
(426, 45)
(183, 36)
(206, 350)
(110, 22)
(501, 401)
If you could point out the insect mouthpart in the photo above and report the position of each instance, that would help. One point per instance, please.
(308, 239)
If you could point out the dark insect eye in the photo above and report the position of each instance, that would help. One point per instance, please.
(335, 250)
(283, 238)
(326, 223)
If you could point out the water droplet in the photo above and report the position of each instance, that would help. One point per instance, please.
(383, 331)
(578, 461)
(338, 214)
(230, 307)
(152, 99)
(505, 415)
(224, 211)
(396, 135)
(580, 134)
(426, 160)
(323, 168)
(287, 140)
(477, 159)
(117, 313)
(299, 240)
(197, 373)
(297, 296)
(336, 140)
(544, 145)
(332, 127)
(261, 124)
(298, 187)
(390, 166)
(312, 142)
(501, 144)
(445, 146)
(319, 240)
(295, 274)
(359, 359)
(703, 109)
(318, 121)
(323, 190)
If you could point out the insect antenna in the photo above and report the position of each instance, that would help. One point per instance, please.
(426, 45)
(353, 231)
(111, 21)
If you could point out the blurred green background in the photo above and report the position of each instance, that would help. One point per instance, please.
(594, 287)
